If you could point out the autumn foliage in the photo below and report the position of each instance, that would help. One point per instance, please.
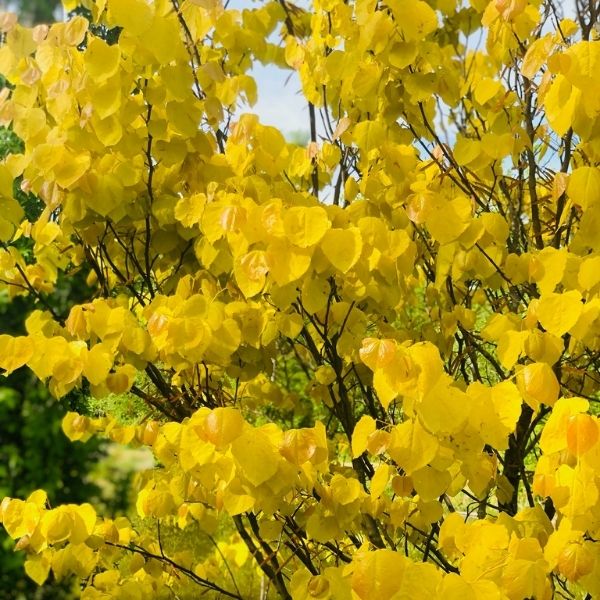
(370, 364)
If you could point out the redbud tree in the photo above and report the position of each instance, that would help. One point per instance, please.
(371, 362)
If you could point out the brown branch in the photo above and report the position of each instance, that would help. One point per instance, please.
(274, 577)
(148, 236)
(188, 572)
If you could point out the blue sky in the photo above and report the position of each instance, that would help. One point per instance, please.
(280, 102)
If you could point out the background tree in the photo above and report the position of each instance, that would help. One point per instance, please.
(39, 11)
(374, 354)
(33, 12)
(34, 453)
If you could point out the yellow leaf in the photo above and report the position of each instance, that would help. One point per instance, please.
(188, 210)
(20, 518)
(38, 497)
(135, 16)
(7, 230)
(536, 55)
(415, 18)
(84, 522)
(384, 384)
(582, 68)
(298, 446)
(561, 101)
(236, 504)
(443, 409)
(453, 527)
(575, 490)
(584, 186)
(287, 263)
(7, 21)
(56, 525)
(76, 427)
(341, 127)
(155, 503)
(107, 102)
(411, 446)
(589, 273)
(510, 347)
(396, 375)
(163, 39)
(486, 89)
(506, 401)
(496, 326)
(582, 433)
(71, 168)
(402, 485)
(547, 268)
(318, 587)
(101, 60)
(305, 226)
(524, 574)
(250, 272)
(371, 576)
(12, 212)
(543, 347)
(584, 327)
(554, 434)
(380, 479)
(223, 425)
(510, 9)
(368, 135)
(559, 185)
(448, 219)
(122, 379)
(480, 470)
(121, 434)
(378, 442)
(74, 31)
(193, 450)
(98, 364)
(376, 354)
(14, 352)
(493, 411)
(538, 385)
(322, 528)
(325, 374)
(466, 150)
(568, 27)
(366, 78)
(342, 247)
(557, 313)
(315, 293)
(429, 512)
(37, 568)
(290, 325)
(256, 457)
(454, 587)
(430, 483)
(576, 560)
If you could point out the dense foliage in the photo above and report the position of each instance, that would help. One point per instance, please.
(33, 451)
(374, 354)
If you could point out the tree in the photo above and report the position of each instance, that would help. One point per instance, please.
(38, 11)
(374, 355)
(33, 452)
